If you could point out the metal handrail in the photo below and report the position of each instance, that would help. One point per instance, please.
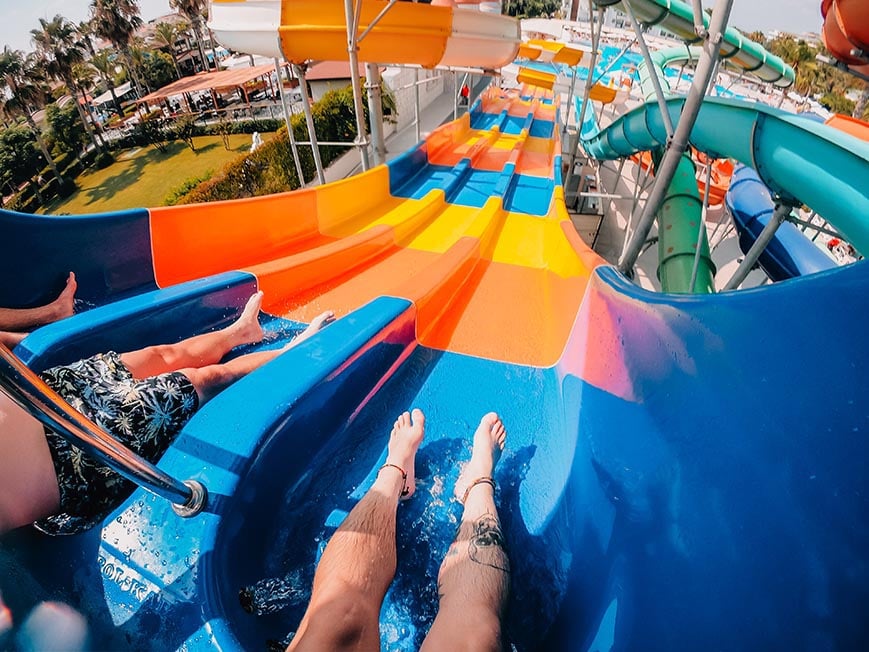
(32, 393)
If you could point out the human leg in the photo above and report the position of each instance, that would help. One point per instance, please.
(359, 562)
(212, 379)
(200, 350)
(474, 577)
(25, 319)
(11, 340)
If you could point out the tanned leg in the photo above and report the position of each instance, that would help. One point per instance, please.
(359, 562)
(200, 350)
(11, 340)
(213, 379)
(474, 578)
(26, 319)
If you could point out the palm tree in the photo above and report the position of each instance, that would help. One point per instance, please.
(104, 63)
(167, 34)
(139, 59)
(117, 21)
(24, 80)
(56, 41)
(193, 10)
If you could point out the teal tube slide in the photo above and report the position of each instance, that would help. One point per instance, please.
(799, 160)
(678, 17)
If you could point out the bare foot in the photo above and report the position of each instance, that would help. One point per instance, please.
(404, 440)
(488, 444)
(317, 324)
(246, 328)
(64, 305)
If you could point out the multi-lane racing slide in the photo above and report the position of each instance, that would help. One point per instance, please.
(682, 472)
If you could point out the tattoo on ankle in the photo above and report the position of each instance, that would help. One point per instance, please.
(488, 536)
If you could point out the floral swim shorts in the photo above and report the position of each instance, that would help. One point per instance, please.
(145, 415)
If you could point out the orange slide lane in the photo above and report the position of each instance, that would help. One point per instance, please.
(487, 283)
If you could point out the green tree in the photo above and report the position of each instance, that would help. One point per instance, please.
(57, 42)
(69, 136)
(25, 82)
(104, 63)
(166, 35)
(157, 69)
(20, 157)
(194, 12)
(530, 8)
(117, 22)
(185, 129)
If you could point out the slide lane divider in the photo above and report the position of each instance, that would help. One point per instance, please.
(287, 277)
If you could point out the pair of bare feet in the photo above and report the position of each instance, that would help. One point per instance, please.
(407, 435)
(247, 330)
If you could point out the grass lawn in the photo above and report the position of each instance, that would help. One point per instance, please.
(142, 178)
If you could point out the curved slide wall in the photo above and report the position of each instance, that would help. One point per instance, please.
(672, 480)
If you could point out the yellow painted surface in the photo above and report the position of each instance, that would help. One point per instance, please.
(536, 78)
(408, 33)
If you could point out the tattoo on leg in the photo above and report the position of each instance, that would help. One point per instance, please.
(487, 536)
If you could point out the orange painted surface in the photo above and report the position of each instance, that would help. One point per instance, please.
(857, 128)
(196, 240)
(537, 158)
(408, 33)
(485, 283)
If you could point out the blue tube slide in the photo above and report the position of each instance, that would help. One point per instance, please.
(799, 160)
(790, 253)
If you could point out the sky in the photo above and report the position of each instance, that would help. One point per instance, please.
(20, 16)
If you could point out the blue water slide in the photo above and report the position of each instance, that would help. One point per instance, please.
(800, 160)
(790, 253)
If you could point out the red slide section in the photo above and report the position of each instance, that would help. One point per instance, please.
(846, 32)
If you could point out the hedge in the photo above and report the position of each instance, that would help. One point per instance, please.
(271, 168)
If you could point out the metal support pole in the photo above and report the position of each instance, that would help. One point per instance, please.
(679, 142)
(653, 75)
(455, 96)
(699, 27)
(702, 228)
(375, 112)
(309, 119)
(353, 52)
(570, 100)
(373, 22)
(416, 104)
(31, 393)
(595, 43)
(782, 210)
(287, 119)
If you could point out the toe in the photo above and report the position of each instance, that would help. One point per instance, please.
(489, 419)
(418, 418)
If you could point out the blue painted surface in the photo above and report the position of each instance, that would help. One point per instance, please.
(718, 499)
(706, 493)
(481, 120)
(110, 254)
(790, 253)
(156, 317)
(470, 187)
